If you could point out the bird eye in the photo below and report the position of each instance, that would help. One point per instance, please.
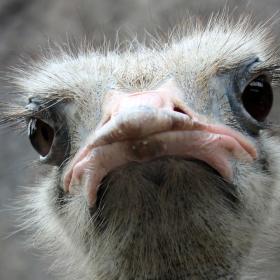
(257, 98)
(41, 136)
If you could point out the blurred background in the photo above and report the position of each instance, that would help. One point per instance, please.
(26, 27)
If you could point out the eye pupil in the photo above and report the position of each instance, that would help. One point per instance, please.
(257, 98)
(41, 136)
(47, 134)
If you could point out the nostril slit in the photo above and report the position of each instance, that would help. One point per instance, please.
(107, 120)
(179, 110)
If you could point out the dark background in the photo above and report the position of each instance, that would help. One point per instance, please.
(27, 26)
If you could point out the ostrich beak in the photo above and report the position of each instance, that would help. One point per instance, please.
(147, 125)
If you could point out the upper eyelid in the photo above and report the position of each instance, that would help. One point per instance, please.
(38, 111)
(43, 113)
(259, 68)
(249, 73)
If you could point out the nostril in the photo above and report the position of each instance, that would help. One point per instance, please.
(106, 120)
(179, 110)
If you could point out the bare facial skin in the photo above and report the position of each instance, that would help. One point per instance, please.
(156, 164)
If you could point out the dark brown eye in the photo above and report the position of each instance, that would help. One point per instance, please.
(257, 98)
(41, 136)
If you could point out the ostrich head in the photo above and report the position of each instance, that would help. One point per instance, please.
(159, 162)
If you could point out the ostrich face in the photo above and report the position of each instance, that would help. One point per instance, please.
(160, 161)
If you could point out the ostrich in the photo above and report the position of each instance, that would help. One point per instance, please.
(158, 162)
